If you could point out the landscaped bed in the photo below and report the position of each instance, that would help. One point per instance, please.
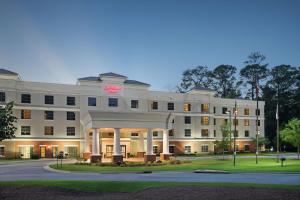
(242, 165)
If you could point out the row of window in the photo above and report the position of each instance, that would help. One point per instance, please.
(204, 148)
(205, 121)
(113, 102)
(48, 115)
(48, 130)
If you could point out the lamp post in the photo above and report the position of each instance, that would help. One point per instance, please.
(256, 154)
(229, 113)
(277, 124)
(234, 149)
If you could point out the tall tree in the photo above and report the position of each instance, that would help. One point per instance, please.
(225, 143)
(254, 71)
(284, 82)
(7, 122)
(225, 81)
(196, 77)
(291, 133)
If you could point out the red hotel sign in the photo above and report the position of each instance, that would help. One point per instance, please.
(112, 89)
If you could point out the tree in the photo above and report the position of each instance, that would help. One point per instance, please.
(291, 133)
(196, 77)
(7, 122)
(261, 141)
(254, 71)
(225, 81)
(225, 142)
(283, 86)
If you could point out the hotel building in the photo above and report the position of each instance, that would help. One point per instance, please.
(110, 116)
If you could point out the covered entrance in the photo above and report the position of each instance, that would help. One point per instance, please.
(113, 126)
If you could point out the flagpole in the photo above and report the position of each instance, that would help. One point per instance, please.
(256, 154)
(277, 119)
(234, 148)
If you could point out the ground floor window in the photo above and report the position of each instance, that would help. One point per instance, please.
(187, 149)
(1, 151)
(236, 147)
(26, 151)
(247, 147)
(204, 148)
(71, 151)
(155, 149)
(171, 149)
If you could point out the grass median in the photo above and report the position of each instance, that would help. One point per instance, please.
(242, 165)
(132, 186)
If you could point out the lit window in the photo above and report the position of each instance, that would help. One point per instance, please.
(112, 102)
(49, 99)
(71, 101)
(186, 107)
(134, 104)
(170, 106)
(235, 122)
(49, 115)
(25, 98)
(204, 133)
(70, 131)
(204, 148)
(205, 120)
(92, 101)
(2, 96)
(187, 149)
(246, 111)
(187, 132)
(25, 130)
(25, 114)
(205, 108)
(246, 122)
(48, 130)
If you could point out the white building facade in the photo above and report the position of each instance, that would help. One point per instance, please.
(110, 116)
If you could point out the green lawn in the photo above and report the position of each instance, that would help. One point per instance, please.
(130, 186)
(242, 165)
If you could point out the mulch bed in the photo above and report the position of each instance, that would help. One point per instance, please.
(174, 193)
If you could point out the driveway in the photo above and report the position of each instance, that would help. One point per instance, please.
(34, 170)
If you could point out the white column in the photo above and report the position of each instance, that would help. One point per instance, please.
(165, 141)
(96, 147)
(149, 142)
(117, 144)
(141, 142)
(87, 141)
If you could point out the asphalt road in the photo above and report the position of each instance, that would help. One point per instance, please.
(35, 170)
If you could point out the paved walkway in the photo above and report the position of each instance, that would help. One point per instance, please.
(35, 171)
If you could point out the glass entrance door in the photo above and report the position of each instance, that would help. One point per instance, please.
(123, 150)
(109, 151)
(43, 152)
(54, 152)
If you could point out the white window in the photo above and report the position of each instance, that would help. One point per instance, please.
(187, 149)
(204, 148)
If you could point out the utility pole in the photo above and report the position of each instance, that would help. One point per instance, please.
(256, 154)
(277, 119)
(234, 149)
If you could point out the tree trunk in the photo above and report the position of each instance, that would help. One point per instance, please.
(298, 151)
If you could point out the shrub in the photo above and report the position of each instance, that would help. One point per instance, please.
(35, 156)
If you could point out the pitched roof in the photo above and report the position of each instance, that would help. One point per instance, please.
(7, 72)
(202, 88)
(90, 78)
(113, 75)
(134, 82)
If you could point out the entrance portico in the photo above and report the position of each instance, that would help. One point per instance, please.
(120, 125)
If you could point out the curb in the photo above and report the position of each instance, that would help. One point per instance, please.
(47, 168)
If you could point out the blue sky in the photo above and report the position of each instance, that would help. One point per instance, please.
(150, 41)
